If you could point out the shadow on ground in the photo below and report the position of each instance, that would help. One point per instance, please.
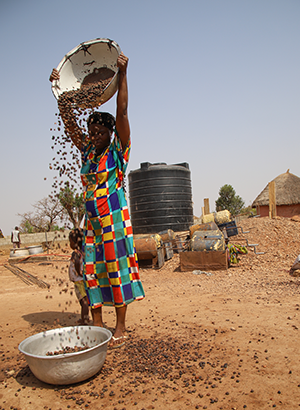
(52, 318)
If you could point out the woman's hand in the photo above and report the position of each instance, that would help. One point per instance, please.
(54, 75)
(122, 62)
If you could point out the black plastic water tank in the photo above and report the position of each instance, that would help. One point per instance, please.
(160, 198)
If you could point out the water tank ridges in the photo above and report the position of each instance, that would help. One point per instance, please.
(160, 198)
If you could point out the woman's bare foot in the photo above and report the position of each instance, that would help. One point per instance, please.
(119, 336)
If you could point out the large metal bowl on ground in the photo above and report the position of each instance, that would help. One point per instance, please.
(87, 63)
(35, 249)
(19, 252)
(67, 368)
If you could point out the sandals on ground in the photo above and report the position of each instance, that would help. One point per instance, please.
(117, 342)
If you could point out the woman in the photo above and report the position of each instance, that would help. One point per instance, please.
(111, 271)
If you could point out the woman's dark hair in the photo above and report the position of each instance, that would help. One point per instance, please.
(102, 118)
(76, 235)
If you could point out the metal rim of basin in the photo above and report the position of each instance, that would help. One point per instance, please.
(63, 329)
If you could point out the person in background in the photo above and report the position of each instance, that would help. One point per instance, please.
(76, 273)
(15, 238)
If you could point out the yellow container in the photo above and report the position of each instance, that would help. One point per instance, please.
(222, 217)
(208, 218)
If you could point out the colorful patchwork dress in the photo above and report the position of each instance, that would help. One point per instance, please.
(111, 272)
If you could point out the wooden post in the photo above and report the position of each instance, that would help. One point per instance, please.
(206, 206)
(272, 200)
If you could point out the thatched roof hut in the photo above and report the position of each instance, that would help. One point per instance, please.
(287, 188)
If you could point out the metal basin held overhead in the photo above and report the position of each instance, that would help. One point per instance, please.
(87, 63)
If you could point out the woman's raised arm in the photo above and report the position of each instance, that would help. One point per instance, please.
(122, 122)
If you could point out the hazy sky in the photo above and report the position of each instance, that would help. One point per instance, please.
(213, 83)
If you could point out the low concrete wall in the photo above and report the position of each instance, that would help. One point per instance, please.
(30, 239)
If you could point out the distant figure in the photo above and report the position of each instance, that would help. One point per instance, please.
(1, 234)
(76, 273)
(15, 238)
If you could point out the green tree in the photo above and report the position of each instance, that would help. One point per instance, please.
(229, 200)
(25, 225)
(73, 204)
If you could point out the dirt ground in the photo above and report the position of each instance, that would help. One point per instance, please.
(229, 340)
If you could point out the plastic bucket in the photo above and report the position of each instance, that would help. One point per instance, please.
(89, 61)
